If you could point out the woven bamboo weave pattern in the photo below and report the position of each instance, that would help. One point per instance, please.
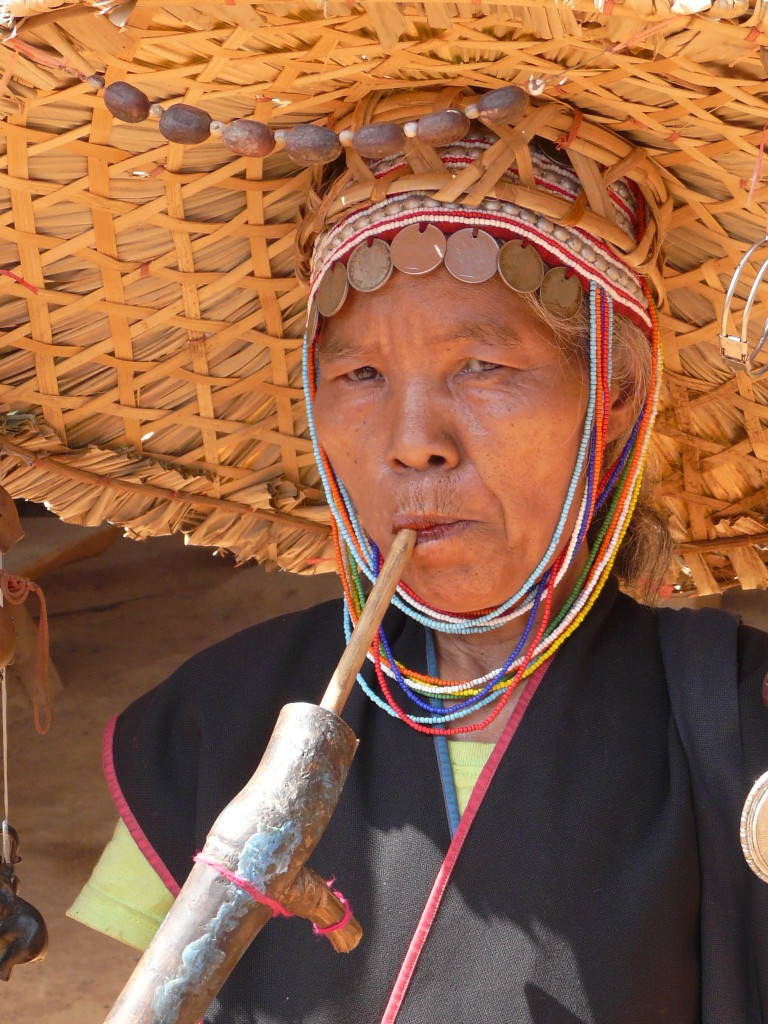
(150, 307)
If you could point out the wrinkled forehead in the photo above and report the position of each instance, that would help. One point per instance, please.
(436, 313)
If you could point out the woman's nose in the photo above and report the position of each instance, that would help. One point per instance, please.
(421, 435)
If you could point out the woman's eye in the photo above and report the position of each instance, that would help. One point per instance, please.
(480, 366)
(362, 373)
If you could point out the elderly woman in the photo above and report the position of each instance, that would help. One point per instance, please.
(528, 833)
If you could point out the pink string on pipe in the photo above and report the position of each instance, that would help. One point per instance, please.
(339, 924)
(242, 883)
(277, 908)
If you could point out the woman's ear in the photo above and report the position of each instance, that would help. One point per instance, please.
(622, 416)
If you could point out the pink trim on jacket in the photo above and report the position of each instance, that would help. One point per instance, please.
(429, 913)
(125, 812)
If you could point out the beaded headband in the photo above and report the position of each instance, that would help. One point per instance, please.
(538, 257)
(415, 234)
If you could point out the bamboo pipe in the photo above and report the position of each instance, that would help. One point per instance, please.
(343, 679)
(263, 836)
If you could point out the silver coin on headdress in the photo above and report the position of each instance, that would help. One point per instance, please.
(754, 828)
(332, 290)
(560, 293)
(417, 251)
(520, 266)
(369, 265)
(471, 255)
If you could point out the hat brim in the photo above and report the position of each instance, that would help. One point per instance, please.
(150, 368)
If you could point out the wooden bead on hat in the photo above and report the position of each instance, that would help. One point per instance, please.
(377, 141)
(500, 106)
(185, 124)
(442, 127)
(126, 102)
(248, 138)
(312, 144)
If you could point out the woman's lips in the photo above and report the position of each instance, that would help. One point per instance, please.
(430, 528)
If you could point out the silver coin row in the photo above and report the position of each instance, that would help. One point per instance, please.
(470, 255)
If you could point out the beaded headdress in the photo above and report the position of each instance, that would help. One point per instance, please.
(537, 195)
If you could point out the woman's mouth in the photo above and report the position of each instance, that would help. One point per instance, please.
(430, 529)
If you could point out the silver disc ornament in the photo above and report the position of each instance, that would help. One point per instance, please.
(520, 266)
(471, 255)
(560, 293)
(417, 251)
(754, 828)
(369, 265)
(332, 290)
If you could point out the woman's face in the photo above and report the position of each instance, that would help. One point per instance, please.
(450, 408)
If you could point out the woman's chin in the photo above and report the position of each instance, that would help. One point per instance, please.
(449, 591)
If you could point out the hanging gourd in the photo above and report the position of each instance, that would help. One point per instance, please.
(23, 934)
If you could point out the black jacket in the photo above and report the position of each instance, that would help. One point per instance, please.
(576, 897)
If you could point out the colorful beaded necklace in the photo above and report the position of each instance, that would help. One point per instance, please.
(357, 555)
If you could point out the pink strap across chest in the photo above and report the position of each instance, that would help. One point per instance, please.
(432, 906)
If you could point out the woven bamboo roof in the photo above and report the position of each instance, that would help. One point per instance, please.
(150, 366)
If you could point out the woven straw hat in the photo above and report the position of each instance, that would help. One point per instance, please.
(152, 313)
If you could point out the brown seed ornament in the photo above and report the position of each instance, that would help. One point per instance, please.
(414, 251)
(185, 124)
(442, 127)
(500, 106)
(369, 266)
(311, 144)
(332, 290)
(126, 102)
(376, 141)
(471, 256)
(561, 294)
(520, 266)
(248, 138)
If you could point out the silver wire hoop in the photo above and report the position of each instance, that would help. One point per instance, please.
(735, 348)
